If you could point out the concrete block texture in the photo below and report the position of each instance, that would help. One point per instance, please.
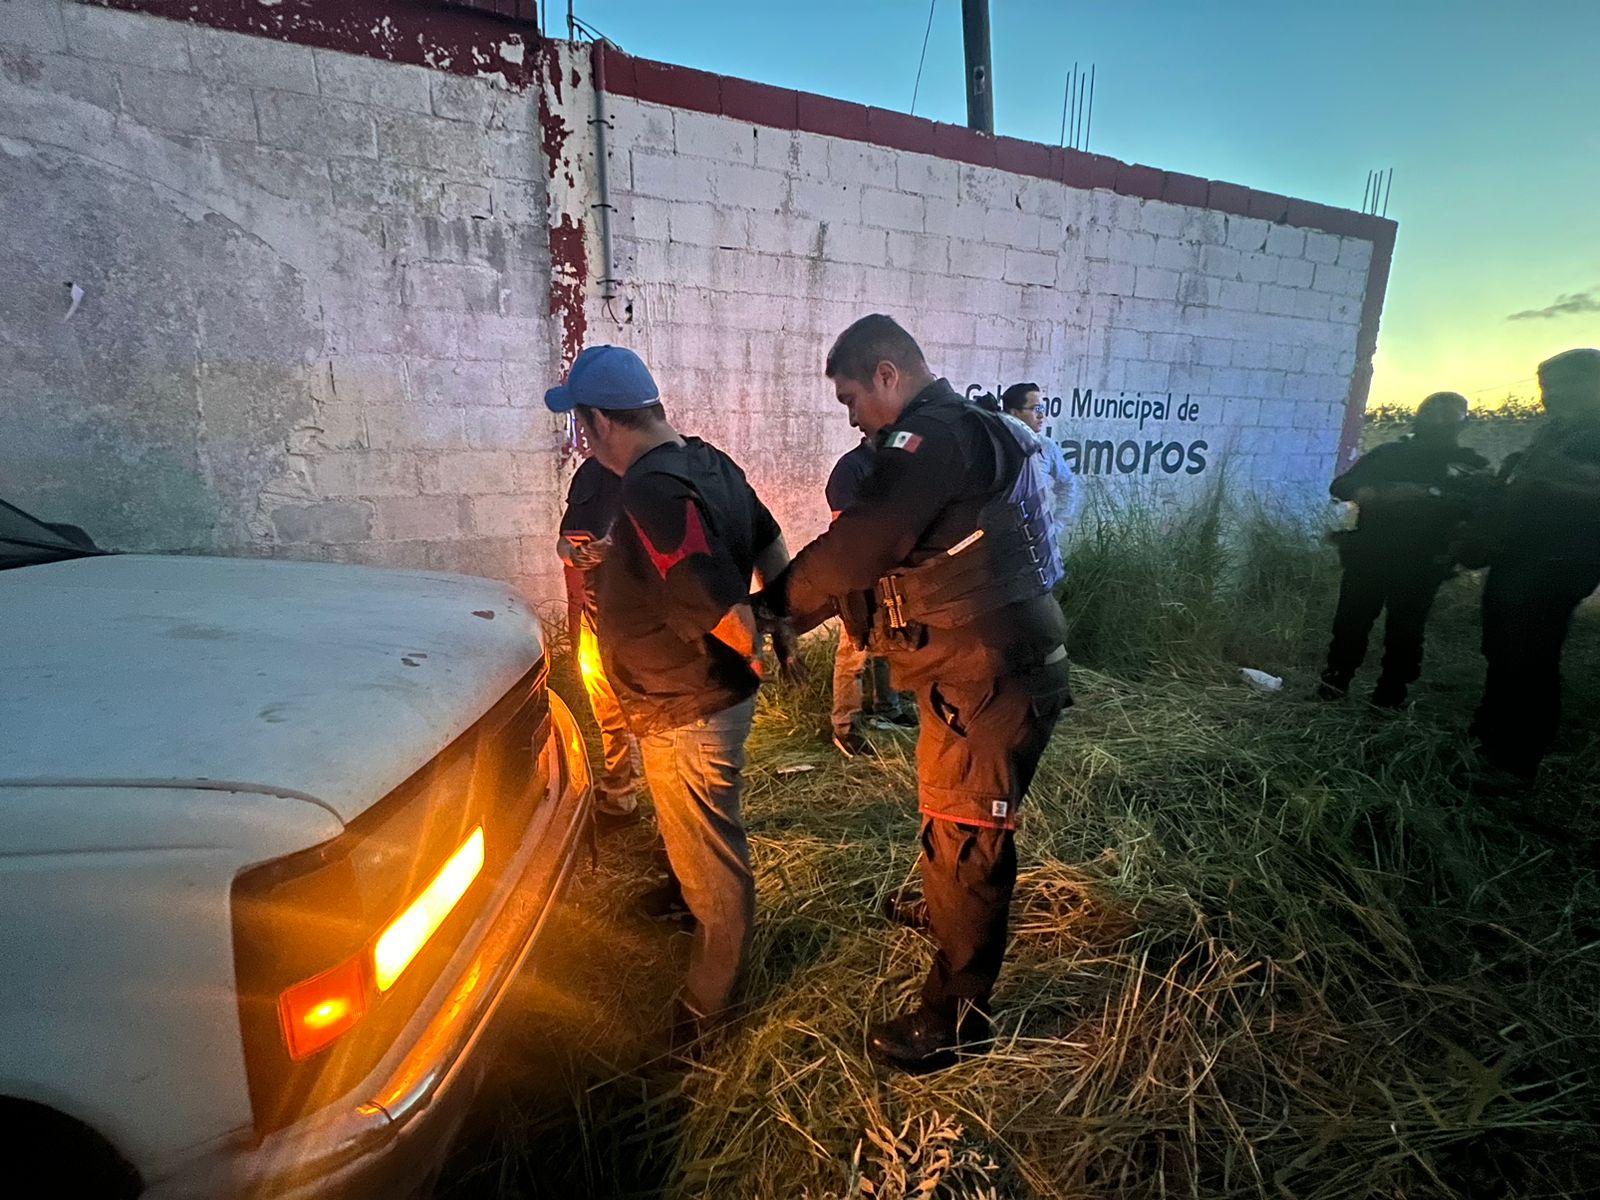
(103, 33)
(372, 81)
(366, 185)
(319, 317)
(183, 103)
(33, 25)
(927, 176)
(324, 522)
(316, 125)
(308, 328)
(252, 62)
(61, 78)
(421, 518)
(700, 135)
(893, 209)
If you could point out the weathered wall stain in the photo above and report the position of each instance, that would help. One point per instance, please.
(569, 276)
(165, 408)
(569, 256)
(316, 313)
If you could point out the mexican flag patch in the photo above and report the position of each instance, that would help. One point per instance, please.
(904, 440)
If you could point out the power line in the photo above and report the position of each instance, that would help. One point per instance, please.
(916, 87)
(1497, 386)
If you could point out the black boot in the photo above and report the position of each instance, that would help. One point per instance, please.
(924, 1040)
(665, 904)
(1389, 694)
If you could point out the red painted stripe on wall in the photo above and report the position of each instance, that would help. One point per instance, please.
(424, 33)
(783, 108)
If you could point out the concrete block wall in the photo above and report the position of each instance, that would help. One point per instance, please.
(315, 319)
(1173, 338)
(329, 265)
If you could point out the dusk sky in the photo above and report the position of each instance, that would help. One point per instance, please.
(1489, 113)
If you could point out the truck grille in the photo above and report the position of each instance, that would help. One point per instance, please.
(298, 916)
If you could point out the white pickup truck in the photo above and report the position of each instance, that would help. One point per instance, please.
(274, 839)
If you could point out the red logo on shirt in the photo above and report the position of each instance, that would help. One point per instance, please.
(694, 540)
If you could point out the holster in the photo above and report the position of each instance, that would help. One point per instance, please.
(895, 622)
(855, 614)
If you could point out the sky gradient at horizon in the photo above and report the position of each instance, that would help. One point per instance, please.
(1490, 117)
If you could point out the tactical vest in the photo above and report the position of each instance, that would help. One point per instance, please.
(1011, 555)
(1548, 456)
(1551, 507)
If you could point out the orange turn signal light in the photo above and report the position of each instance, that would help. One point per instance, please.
(317, 1010)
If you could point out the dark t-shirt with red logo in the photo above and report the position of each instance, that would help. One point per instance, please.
(684, 544)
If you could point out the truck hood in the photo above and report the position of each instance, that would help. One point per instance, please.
(333, 683)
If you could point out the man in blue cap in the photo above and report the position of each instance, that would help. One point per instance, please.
(680, 646)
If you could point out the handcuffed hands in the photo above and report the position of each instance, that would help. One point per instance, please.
(784, 639)
(588, 555)
(785, 648)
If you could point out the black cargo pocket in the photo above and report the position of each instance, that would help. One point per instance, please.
(949, 716)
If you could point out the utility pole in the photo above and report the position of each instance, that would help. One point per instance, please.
(980, 72)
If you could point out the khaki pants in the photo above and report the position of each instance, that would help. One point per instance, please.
(620, 778)
(853, 669)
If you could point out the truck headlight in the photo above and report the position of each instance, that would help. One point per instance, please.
(405, 936)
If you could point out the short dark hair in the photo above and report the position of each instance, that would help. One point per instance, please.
(872, 340)
(628, 418)
(1571, 378)
(1443, 408)
(1015, 396)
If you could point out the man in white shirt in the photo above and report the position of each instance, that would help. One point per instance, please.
(1023, 402)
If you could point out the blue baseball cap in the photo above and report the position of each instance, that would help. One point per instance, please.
(611, 377)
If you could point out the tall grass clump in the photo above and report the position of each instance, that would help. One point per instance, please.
(1156, 591)
(1262, 947)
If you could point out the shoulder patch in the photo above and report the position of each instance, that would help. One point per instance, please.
(904, 440)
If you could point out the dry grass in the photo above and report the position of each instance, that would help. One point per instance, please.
(1262, 947)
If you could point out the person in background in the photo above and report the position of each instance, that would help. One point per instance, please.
(1541, 543)
(681, 648)
(1413, 496)
(1024, 402)
(581, 545)
(948, 535)
(854, 666)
